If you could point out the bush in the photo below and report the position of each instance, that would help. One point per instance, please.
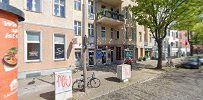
(140, 59)
(144, 58)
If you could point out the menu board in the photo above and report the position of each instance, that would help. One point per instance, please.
(8, 57)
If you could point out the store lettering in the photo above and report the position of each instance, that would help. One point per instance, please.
(63, 81)
(11, 36)
(10, 24)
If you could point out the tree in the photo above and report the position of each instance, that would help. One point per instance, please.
(159, 15)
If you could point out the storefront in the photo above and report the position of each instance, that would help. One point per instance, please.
(129, 51)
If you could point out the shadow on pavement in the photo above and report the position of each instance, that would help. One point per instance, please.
(113, 79)
(48, 95)
(113, 68)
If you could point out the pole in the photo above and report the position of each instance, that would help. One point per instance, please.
(84, 44)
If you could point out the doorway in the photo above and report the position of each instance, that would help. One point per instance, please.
(91, 58)
(103, 57)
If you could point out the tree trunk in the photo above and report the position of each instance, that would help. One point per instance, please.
(159, 64)
(191, 49)
(190, 43)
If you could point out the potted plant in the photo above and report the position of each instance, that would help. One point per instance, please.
(140, 59)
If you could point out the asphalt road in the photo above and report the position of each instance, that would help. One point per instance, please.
(181, 84)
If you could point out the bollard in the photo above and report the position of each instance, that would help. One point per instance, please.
(9, 18)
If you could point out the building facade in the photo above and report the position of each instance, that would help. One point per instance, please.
(50, 38)
(174, 45)
(45, 37)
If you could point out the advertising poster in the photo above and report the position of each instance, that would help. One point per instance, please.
(8, 57)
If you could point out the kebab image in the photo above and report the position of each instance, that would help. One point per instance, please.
(10, 58)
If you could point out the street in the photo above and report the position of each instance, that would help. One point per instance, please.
(181, 84)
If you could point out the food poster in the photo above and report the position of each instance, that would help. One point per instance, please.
(8, 57)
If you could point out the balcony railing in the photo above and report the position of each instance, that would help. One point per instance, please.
(110, 14)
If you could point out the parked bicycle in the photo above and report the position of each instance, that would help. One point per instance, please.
(93, 82)
(169, 63)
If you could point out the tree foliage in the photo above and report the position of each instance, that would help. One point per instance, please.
(159, 15)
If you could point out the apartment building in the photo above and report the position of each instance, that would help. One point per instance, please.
(112, 34)
(174, 45)
(50, 38)
(45, 37)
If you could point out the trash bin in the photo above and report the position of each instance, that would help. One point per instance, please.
(9, 18)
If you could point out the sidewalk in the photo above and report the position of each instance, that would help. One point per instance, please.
(42, 88)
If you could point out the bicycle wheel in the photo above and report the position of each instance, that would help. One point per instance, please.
(167, 64)
(95, 83)
(78, 86)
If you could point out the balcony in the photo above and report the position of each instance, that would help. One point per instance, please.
(108, 17)
(112, 2)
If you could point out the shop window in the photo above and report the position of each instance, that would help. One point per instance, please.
(59, 47)
(33, 47)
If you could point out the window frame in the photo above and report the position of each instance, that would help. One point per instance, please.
(103, 31)
(77, 25)
(65, 52)
(140, 36)
(59, 5)
(90, 30)
(75, 7)
(26, 7)
(25, 46)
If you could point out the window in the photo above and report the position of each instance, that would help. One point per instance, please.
(117, 35)
(33, 46)
(78, 58)
(77, 28)
(103, 32)
(150, 38)
(5, 1)
(59, 47)
(176, 44)
(118, 53)
(90, 6)
(59, 8)
(176, 34)
(77, 4)
(133, 33)
(126, 33)
(140, 36)
(112, 30)
(91, 30)
(34, 5)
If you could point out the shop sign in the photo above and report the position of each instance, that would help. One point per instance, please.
(99, 54)
(63, 85)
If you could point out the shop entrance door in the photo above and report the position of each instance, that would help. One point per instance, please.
(91, 58)
(103, 57)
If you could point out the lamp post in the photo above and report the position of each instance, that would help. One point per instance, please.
(84, 42)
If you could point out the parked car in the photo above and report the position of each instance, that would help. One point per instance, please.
(191, 62)
(201, 60)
